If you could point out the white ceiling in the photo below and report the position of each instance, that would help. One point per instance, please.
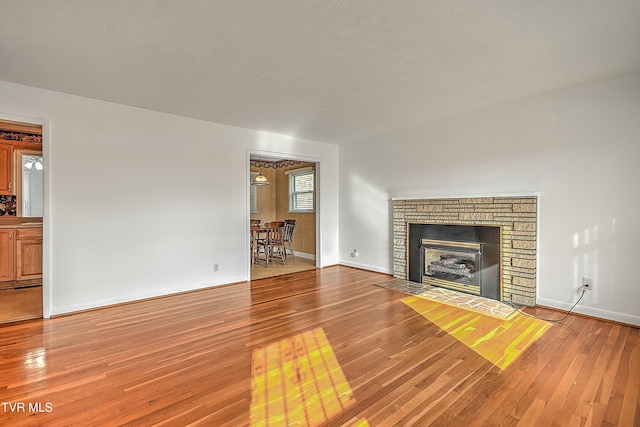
(333, 71)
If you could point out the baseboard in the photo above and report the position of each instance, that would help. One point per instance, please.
(96, 304)
(304, 255)
(366, 267)
(590, 311)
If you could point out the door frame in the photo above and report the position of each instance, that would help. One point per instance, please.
(46, 215)
(318, 206)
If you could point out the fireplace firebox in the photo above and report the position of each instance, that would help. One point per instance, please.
(458, 257)
(452, 265)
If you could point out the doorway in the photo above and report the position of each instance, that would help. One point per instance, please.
(291, 195)
(22, 170)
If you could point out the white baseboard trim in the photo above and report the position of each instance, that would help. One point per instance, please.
(304, 255)
(591, 311)
(366, 267)
(90, 305)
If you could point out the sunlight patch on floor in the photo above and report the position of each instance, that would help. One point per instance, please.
(298, 381)
(497, 340)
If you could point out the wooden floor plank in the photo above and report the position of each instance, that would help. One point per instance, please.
(187, 360)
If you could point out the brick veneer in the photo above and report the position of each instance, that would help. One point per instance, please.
(516, 216)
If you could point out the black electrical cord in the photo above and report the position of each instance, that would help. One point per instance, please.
(549, 320)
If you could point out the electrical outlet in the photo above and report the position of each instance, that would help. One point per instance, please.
(587, 283)
(216, 267)
(354, 254)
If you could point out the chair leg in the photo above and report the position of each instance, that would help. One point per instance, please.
(291, 250)
(254, 252)
(279, 252)
(264, 249)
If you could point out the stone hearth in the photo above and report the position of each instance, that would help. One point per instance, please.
(516, 216)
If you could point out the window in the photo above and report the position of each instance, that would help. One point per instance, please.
(301, 190)
(253, 194)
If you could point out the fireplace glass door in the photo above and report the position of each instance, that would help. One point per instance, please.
(453, 265)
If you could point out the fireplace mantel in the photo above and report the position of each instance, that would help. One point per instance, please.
(515, 214)
(529, 194)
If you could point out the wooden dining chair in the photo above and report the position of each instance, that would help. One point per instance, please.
(272, 246)
(289, 228)
(254, 222)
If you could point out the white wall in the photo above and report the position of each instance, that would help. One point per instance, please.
(141, 203)
(578, 147)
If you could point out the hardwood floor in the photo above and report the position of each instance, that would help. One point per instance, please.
(293, 265)
(190, 359)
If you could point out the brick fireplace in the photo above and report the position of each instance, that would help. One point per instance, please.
(516, 217)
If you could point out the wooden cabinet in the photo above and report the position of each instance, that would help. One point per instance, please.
(6, 174)
(7, 271)
(20, 254)
(28, 252)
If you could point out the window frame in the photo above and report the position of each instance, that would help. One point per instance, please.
(292, 174)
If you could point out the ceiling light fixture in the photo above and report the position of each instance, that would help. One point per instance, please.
(260, 179)
(34, 162)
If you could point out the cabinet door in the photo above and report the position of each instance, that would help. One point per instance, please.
(28, 259)
(5, 169)
(6, 255)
